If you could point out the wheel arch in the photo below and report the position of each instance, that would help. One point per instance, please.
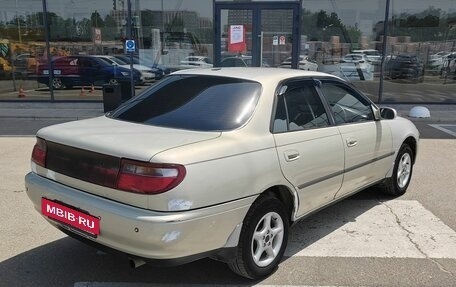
(413, 144)
(286, 196)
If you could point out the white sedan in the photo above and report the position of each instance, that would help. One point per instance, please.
(304, 63)
(217, 163)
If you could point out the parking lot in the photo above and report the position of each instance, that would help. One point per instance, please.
(433, 90)
(366, 240)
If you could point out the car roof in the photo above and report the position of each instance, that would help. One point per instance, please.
(254, 73)
(364, 50)
(354, 55)
(196, 57)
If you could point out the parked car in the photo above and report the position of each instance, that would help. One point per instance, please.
(147, 75)
(240, 61)
(372, 55)
(355, 58)
(159, 70)
(304, 63)
(195, 62)
(436, 61)
(219, 163)
(404, 67)
(25, 65)
(84, 70)
(449, 66)
(355, 67)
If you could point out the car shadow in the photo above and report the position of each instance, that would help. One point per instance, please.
(66, 261)
(309, 230)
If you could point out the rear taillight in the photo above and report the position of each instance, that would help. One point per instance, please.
(149, 178)
(39, 152)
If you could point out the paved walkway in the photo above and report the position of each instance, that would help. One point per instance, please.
(47, 110)
(81, 110)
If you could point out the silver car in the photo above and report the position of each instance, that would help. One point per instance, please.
(217, 163)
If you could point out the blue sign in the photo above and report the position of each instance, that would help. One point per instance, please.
(130, 45)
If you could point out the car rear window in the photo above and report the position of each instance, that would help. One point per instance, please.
(194, 102)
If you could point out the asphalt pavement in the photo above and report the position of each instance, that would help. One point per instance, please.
(80, 110)
(26, 118)
(366, 240)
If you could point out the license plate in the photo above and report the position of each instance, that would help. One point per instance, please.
(71, 217)
(56, 72)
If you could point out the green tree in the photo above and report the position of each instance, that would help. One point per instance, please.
(320, 27)
(109, 31)
(96, 20)
(148, 19)
(429, 25)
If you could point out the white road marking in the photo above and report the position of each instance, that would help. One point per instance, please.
(445, 130)
(392, 229)
(357, 228)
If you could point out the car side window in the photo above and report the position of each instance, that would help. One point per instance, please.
(346, 105)
(300, 108)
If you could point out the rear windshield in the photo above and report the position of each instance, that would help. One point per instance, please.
(193, 102)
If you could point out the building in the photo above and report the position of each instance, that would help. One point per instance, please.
(418, 54)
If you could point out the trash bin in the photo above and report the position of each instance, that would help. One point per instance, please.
(112, 97)
(125, 88)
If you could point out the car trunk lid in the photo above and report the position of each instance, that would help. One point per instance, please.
(87, 154)
(121, 139)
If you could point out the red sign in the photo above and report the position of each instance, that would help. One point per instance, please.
(97, 35)
(236, 39)
(74, 218)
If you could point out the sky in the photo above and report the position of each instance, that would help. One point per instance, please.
(347, 9)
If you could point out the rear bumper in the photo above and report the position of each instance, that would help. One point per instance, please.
(167, 236)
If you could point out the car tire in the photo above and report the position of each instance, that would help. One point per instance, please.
(263, 239)
(58, 84)
(398, 183)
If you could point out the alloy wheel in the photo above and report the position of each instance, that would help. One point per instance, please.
(267, 239)
(403, 170)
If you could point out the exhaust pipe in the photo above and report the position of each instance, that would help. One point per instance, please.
(136, 262)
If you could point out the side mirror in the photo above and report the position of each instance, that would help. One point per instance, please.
(388, 113)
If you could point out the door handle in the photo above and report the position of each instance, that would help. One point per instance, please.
(291, 155)
(351, 142)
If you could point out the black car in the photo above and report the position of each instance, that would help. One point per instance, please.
(405, 67)
(84, 70)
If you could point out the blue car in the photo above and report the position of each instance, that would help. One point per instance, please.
(84, 70)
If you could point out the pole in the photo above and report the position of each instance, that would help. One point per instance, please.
(48, 49)
(382, 63)
(132, 83)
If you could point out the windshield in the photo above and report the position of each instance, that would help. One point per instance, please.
(115, 60)
(194, 102)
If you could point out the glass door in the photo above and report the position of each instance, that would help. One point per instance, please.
(276, 37)
(257, 34)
